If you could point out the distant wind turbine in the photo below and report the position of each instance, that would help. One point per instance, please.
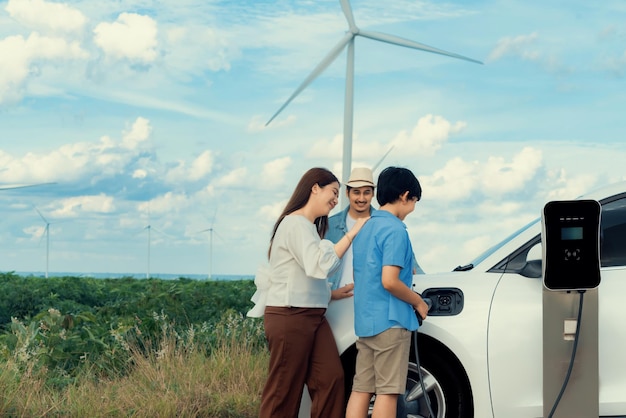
(210, 230)
(149, 228)
(348, 40)
(46, 232)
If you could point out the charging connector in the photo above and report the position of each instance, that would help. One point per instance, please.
(420, 390)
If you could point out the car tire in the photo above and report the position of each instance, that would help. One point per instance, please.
(448, 392)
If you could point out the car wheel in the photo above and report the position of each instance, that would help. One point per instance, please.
(448, 394)
(413, 404)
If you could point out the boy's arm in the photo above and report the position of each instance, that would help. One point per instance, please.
(392, 283)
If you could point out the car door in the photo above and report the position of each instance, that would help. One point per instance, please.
(611, 292)
(514, 342)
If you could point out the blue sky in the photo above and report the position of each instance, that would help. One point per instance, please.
(153, 113)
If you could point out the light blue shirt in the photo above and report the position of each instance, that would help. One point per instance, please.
(383, 241)
(336, 230)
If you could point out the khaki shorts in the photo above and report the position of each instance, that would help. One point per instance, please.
(382, 362)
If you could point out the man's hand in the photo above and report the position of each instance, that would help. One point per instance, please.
(342, 292)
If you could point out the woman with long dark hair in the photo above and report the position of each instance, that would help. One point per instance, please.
(302, 347)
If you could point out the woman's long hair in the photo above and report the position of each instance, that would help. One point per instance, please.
(300, 197)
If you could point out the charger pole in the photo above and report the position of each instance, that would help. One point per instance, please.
(570, 239)
(581, 398)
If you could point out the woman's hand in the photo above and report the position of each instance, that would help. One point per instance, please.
(342, 292)
(357, 227)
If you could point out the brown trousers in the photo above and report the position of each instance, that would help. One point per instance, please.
(302, 351)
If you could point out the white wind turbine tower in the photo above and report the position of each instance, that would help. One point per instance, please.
(348, 40)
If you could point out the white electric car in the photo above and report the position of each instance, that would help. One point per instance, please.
(480, 349)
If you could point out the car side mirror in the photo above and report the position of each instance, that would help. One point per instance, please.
(533, 266)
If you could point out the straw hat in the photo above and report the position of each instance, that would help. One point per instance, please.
(361, 176)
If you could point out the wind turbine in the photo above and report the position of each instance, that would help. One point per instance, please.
(210, 230)
(46, 231)
(348, 40)
(149, 228)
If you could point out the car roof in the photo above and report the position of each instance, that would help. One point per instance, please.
(605, 191)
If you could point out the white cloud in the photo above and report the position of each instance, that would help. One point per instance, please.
(235, 178)
(501, 177)
(34, 231)
(429, 135)
(460, 179)
(570, 187)
(324, 148)
(70, 207)
(72, 162)
(43, 16)
(140, 174)
(202, 165)
(131, 36)
(273, 173)
(24, 55)
(199, 168)
(139, 132)
(165, 203)
(272, 211)
(195, 49)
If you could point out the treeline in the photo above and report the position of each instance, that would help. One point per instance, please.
(68, 326)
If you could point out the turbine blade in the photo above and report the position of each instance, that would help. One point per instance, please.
(396, 40)
(347, 11)
(166, 235)
(42, 217)
(382, 158)
(330, 57)
(22, 186)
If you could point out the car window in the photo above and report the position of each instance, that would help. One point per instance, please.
(613, 234)
(502, 243)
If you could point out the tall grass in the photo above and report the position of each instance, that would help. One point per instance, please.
(177, 374)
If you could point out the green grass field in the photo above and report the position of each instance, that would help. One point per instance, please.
(80, 347)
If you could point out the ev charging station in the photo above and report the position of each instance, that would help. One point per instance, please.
(571, 275)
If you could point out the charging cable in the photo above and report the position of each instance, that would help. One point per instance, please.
(571, 362)
(413, 394)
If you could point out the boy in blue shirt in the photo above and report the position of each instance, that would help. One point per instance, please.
(384, 304)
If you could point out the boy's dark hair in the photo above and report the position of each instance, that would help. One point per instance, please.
(393, 182)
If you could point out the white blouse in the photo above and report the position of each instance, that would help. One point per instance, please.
(300, 263)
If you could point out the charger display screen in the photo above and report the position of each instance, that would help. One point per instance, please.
(572, 233)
